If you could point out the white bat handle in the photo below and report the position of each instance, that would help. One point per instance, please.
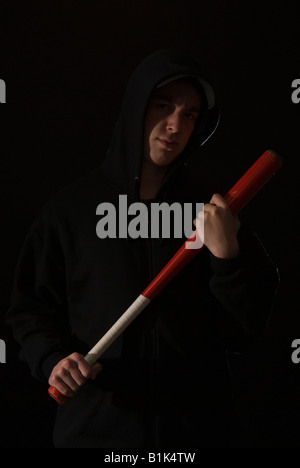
(119, 326)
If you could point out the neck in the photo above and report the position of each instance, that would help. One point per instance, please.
(151, 179)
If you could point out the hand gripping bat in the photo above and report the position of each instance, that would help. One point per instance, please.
(240, 194)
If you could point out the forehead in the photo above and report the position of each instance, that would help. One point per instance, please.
(181, 91)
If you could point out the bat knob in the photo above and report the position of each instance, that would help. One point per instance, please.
(57, 396)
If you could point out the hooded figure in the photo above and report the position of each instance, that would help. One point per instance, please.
(165, 381)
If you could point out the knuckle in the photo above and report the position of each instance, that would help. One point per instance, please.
(86, 372)
(52, 380)
(61, 373)
(55, 380)
(67, 365)
(77, 357)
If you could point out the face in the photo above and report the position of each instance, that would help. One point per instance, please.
(170, 120)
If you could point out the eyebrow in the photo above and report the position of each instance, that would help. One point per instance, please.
(158, 95)
(194, 109)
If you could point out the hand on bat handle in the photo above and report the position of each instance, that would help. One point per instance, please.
(69, 375)
(236, 198)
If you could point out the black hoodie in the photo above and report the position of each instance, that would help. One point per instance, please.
(165, 380)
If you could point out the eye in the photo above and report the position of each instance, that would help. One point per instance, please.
(164, 105)
(191, 116)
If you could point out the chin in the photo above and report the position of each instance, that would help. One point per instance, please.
(162, 163)
(163, 160)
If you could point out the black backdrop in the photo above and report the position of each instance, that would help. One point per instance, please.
(66, 65)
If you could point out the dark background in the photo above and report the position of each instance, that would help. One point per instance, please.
(66, 65)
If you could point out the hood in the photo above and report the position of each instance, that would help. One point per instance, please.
(122, 165)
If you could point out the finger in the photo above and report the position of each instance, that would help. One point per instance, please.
(64, 382)
(200, 215)
(210, 208)
(96, 368)
(84, 368)
(63, 388)
(218, 200)
(70, 369)
(200, 227)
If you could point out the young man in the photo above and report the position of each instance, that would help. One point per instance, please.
(165, 381)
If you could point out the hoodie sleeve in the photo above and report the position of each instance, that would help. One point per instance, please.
(246, 286)
(38, 310)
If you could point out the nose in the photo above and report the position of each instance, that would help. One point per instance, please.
(174, 122)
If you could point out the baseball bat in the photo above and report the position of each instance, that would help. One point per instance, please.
(237, 197)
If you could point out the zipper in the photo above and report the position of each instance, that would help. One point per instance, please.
(152, 353)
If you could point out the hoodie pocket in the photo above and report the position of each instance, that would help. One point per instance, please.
(115, 425)
(75, 417)
(94, 419)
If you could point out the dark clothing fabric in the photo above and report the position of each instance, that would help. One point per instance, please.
(165, 380)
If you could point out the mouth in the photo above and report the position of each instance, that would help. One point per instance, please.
(168, 143)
